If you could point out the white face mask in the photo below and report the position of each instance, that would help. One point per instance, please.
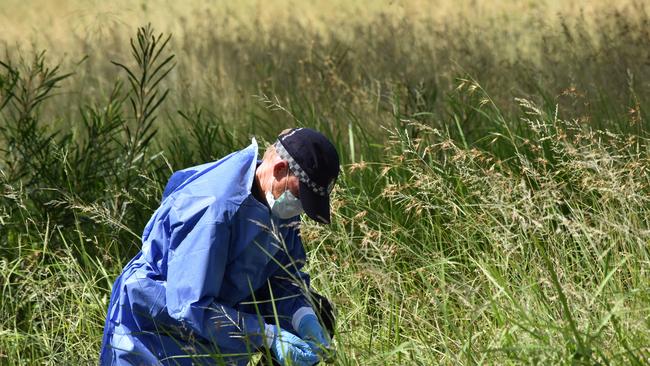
(286, 206)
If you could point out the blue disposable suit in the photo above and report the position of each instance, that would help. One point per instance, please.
(212, 258)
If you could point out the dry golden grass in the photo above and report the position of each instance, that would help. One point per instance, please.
(61, 23)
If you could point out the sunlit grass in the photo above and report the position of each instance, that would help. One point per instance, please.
(493, 205)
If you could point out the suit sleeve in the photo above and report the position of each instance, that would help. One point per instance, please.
(196, 262)
(290, 284)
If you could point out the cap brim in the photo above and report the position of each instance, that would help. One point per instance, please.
(317, 207)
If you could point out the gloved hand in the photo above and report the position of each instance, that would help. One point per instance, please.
(286, 346)
(311, 331)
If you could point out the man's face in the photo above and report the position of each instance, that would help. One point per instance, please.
(284, 180)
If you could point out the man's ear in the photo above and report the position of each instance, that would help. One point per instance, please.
(280, 169)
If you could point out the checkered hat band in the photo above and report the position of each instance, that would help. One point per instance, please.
(298, 171)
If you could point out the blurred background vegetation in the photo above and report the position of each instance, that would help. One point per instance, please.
(493, 206)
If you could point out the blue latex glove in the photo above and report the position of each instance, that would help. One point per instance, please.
(288, 349)
(311, 331)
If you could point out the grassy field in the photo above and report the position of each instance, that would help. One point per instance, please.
(494, 205)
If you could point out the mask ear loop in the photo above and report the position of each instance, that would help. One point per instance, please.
(286, 181)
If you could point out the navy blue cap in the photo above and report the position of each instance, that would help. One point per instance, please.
(314, 160)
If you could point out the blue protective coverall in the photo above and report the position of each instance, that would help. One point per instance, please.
(212, 258)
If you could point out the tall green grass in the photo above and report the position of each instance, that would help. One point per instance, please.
(491, 209)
